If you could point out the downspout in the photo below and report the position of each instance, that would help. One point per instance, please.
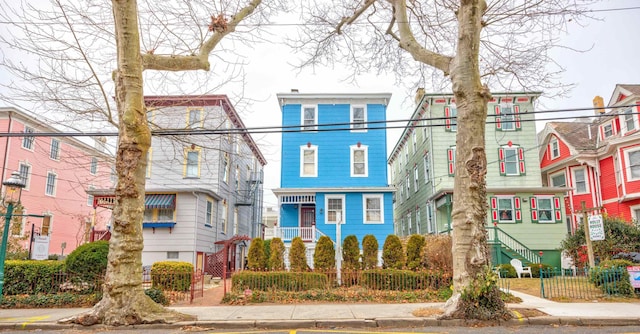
(6, 146)
(195, 230)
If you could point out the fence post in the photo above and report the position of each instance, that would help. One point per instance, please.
(541, 275)
(497, 245)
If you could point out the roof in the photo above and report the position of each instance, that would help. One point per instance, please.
(579, 135)
(330, 97)
(622, 92)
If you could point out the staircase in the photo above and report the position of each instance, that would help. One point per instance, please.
(511, 247)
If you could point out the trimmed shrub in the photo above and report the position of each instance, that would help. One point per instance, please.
(256, 257)
(298, 255)
(278, 281)
(437, 254)
(547, 270)
(350, 253)
(612, 277)
(392, 253)
(507, 271)
(172, 275)
(267, 251)
(369, 252)
(26, 277)
(157, 296)
(66, 299)
(89, 260)
(324, 256)
(402, 280)
(276, 259)
(414, 251)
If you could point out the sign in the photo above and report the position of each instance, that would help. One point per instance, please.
(596, 228)
(40, 249)
(634, 276)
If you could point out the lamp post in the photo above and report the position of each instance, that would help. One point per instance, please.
(13, 190)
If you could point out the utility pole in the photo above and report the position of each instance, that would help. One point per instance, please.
(585, 222)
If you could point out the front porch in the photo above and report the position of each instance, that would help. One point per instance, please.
(308, 234)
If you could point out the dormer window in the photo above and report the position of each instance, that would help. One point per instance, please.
(554, 148)
(607, 130)
(629, 120)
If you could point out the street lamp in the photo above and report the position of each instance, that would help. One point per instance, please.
(13, 190)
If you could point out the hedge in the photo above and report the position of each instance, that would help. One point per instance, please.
(393, 279)
(172, 275)
(32, 277)
(278, 280)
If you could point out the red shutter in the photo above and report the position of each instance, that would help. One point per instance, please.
(557, 209)
(501, 161)
(516, 204)
(451, 161)
(534, 209)
(516, 111)
(496, 109)
(521, 160)
(494, 209)
(447, 121)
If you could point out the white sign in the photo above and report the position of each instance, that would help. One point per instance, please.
(596, 228)
(40, 250)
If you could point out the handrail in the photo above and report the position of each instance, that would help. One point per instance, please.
(512, 243)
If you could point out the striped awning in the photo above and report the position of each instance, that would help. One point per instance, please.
(160, 201)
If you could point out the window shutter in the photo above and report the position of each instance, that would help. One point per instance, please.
(503, 170)
(451, 162)
(534, 209)
(493, 201)
(516, 117)
(496, 110)
(447, 121)
(518, 208)
(521, 160)
(557, 209)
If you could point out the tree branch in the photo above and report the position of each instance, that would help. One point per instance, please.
(347, 20)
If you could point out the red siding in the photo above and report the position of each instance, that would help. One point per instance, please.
(631, 187)
(564, 152)
(608, 187)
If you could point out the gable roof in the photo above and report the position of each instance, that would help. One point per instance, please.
(623, 91)
(579, 136)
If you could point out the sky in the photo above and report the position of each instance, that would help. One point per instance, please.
(611, 45)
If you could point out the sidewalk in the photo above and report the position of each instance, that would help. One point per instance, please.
(346, 316)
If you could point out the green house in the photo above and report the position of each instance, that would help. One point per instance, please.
(524, 218)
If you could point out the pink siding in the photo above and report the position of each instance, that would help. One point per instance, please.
(68, 206)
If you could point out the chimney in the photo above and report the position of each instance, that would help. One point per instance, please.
(294, 90)
(419, 94)
(598, 105)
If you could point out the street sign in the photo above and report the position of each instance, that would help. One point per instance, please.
(596, 228)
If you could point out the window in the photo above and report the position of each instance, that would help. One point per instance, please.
(418, 220)
(208, 218)
(451, 160)
(406, 154)
(358, 118)
(25, 174)
(506, 209)
(580, 181)
(359, 159)
(607, 130)
(507, 117)
(408, 184)
(408, 223)
(27, 141)
(415, 179)
(192, 163)
(511, 160)
(159, 215)
(194, 118)
(401, 193)
(558, 180)
(451, 114)
(414, 137)
(431, 228)
(89, 196)
(545, 210)
(45, 228)
(237, 178)
(309, 161)
(147, 173)
(55, 149)
(635, 214)
(554, 148)
(94, 166)
(633, 161)
(309, 118)
(225, 168)
(50, 188)
(335, 209)
(173, 255)
(235, 221)
(373, 209)
(629, 120)
(427, 168)
(424, 130)
(224, 217)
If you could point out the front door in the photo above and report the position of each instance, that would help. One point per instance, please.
(307, 222)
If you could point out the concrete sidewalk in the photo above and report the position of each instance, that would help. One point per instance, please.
(345, 316)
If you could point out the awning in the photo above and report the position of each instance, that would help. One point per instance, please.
(160, 201)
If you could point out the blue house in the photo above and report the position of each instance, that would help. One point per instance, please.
(333, 168)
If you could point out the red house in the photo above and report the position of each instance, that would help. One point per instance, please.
(598, 158)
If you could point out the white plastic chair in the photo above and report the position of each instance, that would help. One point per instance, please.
(520, 270)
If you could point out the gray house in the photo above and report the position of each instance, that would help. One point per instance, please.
(204, 184)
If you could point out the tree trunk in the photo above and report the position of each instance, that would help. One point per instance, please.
(124, 301)
(472, 298)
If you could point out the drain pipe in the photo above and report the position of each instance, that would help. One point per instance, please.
(6, 145)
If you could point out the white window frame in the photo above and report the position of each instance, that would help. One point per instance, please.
(313, 148)
(408, 184)
(312, 126)
(358, 125)
(516, 162)
(89, 196)
(500, 209)
(25, 178)
(190, 165)
(575, 184)
(628, 168)
(418, 220)
(551, 209)
(208, 212)
(199, 122)
(507, 119)
(223, 222)
(414, 138)
(453, 117)
(554, 146)
(365, 197)
(93, 169)
(635, 217)
(235, 221)
(604, 130)
(624, 120)
(28, 142)
(427, 168)
(431, 227)
(365, 149)
(54, 149)
(52, 186)
(173, 255)
(343, 210)
(552, 176)
(225, 168)
(424, 131)
(415, 179)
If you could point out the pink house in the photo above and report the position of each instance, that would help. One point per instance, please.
(58, 171)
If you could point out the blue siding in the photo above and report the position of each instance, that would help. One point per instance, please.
(289, 216)
(333, 149)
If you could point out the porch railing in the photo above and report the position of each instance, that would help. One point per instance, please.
(497, 235)
(288, 233)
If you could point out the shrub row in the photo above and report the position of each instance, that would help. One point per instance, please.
(171, 275)
(32, 277)
(278, 280)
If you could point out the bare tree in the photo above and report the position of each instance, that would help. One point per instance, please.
(71, 44)
(477, 44)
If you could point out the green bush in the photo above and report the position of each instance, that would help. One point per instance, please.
(298, 255)
(507, 271)
(267, 251)
(89, 260)
(350, 253)
(32, 277)
(172, 275)
(157, 296)
(67, 299)
(392, 253)
(401, 280)
(257, 259)
(414, 251)
(278, 281)
(324, 256)
(369, 252)
(612, 277)
(547, 270)
(276, 258)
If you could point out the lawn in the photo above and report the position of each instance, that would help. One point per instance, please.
(561, 289)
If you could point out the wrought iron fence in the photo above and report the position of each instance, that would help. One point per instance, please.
(585, 283)
(59, 282)
(176, 286)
